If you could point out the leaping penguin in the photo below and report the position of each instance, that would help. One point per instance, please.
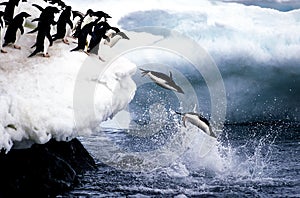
(162, 80)
(198, 120)
(15, 30)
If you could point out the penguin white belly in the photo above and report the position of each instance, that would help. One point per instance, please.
(46, 46)
(193, 119)
(87, 20)
(1, 37)
(113, 41)
(68, 31)
(157, 79)
(18, 33)
(88, 40)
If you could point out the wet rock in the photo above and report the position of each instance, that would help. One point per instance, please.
(43, 170)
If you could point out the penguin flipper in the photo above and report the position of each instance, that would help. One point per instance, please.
(77, 14)
(75, 49)
(33, 45)
(183, 121)
(38, 7)
(33, 53)
(171, 76)
(123, 35)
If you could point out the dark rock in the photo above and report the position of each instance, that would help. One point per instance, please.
(43, 170)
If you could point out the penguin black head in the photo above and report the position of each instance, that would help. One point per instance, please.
(51, 9)
(25, 14)
(90, 12)
(68, 8)
(101, 14)
(16, 2)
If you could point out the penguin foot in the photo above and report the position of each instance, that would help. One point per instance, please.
(66, 41)
(100, 58)
(17, 47)
(46, 55)
(3, 51)
(86, 53)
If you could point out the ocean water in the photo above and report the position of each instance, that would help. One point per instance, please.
(260, 160)
(257, 152)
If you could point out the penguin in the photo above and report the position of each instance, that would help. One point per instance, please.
(101, 14)
(64, 25)
(114, 38)
(9, 10)
(15, 30)
(88, 18)
(77, 19)
(48, 14)
(98, 33)
(198, 120)
(82, 36)
(163, 80)
(44, 38)
(85, 20)
(2, 30)
(57, 3)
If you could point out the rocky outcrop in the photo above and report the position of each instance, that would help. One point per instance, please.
(43, 170)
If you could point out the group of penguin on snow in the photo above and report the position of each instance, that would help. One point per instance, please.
(89, 29)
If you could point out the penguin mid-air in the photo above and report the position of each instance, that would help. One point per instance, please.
(15, 30)
(163, 80)
(64, 25)
(198, 120)
(2, 29)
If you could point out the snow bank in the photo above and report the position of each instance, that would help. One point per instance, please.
(37, 94)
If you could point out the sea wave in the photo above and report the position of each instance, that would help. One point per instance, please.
(256, 54)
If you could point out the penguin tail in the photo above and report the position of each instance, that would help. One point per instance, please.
(212, 133)
(33, 53)
(75, 49)
(38, 7)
